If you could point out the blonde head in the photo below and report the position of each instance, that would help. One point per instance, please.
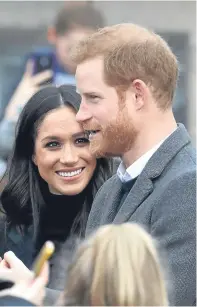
(132, 52)
(117, 266)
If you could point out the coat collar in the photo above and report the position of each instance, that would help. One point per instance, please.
(154, 168)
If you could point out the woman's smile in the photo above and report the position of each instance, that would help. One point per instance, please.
(71, 175)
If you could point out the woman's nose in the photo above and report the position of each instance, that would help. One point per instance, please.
(69, 155)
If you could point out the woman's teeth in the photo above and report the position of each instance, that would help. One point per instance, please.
(70, 174)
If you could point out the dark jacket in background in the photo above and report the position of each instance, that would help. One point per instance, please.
(9, 300)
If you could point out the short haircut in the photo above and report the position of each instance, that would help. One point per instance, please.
(132, 52)
(80, 15)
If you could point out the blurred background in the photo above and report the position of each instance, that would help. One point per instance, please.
(23, 26)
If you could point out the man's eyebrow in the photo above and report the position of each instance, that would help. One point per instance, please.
(91, 94)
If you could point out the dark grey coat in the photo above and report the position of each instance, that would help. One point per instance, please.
(163, 199)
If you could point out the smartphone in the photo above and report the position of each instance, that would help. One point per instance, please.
(45, 253)
(42, 62)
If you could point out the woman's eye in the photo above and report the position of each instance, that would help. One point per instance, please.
(52, 144)
(82, 141)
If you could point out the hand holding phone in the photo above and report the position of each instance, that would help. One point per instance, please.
(27, 87)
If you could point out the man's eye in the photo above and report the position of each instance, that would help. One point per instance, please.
(93, 96)
(82, 141)
(52, 144)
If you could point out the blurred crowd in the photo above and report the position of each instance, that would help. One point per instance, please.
(95, 158)
(45, 64)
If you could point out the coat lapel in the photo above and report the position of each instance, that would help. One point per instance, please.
(139, 192)
(105, 206)
(113, 201)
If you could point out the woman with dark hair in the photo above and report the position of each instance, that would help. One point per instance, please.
(51, 180)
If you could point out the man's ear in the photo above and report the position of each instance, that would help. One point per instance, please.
(140, 90)
(51, 35)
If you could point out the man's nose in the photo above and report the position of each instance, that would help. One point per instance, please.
(83, 114)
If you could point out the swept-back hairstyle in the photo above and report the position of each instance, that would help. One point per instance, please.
(116, 266)
(21, 198)
(132, 52)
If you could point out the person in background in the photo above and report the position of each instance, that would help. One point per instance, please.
(51, 181)
(71, 24)
(117, 266)
(126, 109)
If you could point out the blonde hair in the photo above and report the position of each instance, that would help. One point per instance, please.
(117, 266)
(132, 52)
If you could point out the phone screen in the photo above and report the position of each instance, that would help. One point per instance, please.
(42, 63)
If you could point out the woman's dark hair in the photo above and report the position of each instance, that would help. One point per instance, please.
(22, 198)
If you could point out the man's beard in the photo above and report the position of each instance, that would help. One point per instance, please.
(114, 139)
